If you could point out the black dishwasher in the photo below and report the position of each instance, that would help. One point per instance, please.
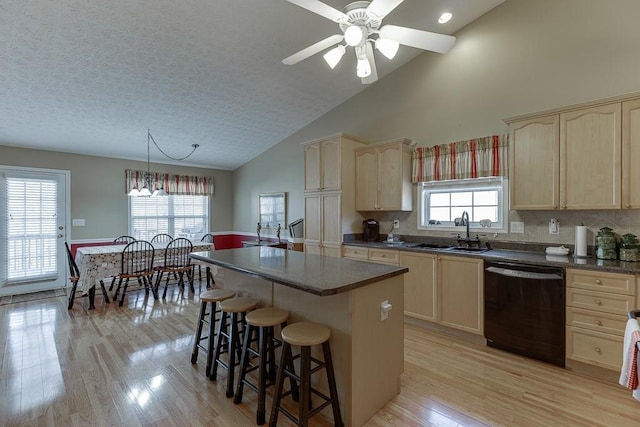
(524, 310)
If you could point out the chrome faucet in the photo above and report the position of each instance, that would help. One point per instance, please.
(464, 220)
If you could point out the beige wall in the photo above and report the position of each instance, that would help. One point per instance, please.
(98, 194)
(522, 57)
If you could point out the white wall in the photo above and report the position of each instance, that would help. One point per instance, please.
(524, 56)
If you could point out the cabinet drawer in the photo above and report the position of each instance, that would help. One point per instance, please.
(602, 322)
(594, 347)
(600, 301)
(355, 252)
(604, 282)
(384, 256)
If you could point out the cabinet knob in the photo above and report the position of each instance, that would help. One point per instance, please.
(597, 349)
(598, 302)
(564, 206)
(627, 206)
(598, 282)
(598, 322)
(555, 206)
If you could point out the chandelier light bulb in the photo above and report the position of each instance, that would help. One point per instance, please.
(387, 47)
(334, 56)
(144, 192)
(363, 68)
(353, 35)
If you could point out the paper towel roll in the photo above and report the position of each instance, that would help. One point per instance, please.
(580, 249)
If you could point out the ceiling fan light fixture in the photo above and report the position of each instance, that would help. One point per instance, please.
(353, 35)
(334, 56)
(387, 47)
(363, 68)
(445, 17)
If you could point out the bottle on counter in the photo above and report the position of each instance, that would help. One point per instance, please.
(606, 244)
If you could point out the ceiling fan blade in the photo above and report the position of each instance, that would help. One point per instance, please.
(313, 49)
(321, 9)
(426, 40)
(372, 62)
(378, 9)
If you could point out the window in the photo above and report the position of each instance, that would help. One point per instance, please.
(179, 216)
(443, 202)
(273, 210)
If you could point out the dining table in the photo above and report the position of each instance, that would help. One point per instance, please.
(105, 262)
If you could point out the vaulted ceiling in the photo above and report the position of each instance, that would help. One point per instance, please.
(91, 76)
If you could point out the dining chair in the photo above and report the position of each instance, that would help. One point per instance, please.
(207, 238)
(137, 262)
(176, 262)
(123, 240)
(161, 238)
(75, 278)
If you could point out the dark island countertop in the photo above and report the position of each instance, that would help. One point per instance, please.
(535, 257)
(315, 274)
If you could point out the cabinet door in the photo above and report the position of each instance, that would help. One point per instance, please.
(419, 285)
(534, 163)
(631, 154)
(312, 167)
(312, 219)
(331, 176)
(390, 179)
(331, 225)
(590, 159)
(460, 287)
(366, 180)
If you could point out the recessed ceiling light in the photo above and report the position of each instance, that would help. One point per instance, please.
(445, 17)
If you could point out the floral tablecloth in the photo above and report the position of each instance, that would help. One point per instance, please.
(100, 262)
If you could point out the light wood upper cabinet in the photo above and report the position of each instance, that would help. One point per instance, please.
(631, 154)
(460, 293)
(590, 155)
(535, 163)
(420, 285)
(383, 177)
(322, 165)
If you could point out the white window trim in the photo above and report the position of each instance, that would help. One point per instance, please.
(474, 227)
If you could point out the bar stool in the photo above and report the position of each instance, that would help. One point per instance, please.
(209, 297)
(230, 334)
(261, 322)
(305, 335)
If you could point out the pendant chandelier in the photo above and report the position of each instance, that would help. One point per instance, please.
(145, 191)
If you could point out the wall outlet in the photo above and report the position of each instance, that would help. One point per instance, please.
(554, 226)
(385, 308)
(396, 223)
(517, 227)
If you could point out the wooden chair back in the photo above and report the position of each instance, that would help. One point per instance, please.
(123, 240)
(177, 253)
(207, 238)
(161, 238)
(73, 267)
(137, 259)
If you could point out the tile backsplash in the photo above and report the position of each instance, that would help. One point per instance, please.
(536, 225)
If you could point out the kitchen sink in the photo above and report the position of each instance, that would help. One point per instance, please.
(467, 249)
(430, 246)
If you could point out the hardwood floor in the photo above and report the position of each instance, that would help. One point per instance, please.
(130, 366)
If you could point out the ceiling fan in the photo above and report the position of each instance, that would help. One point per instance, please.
(359, 22)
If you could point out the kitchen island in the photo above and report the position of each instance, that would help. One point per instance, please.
(346, 296)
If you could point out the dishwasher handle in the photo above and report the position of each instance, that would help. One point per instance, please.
(520, 274)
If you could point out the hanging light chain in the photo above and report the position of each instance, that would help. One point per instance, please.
(150, 137)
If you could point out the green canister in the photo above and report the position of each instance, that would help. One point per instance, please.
(629, 247)
(606, 244)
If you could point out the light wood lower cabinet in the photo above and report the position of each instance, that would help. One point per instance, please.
(460, 293)
(381, 256)
(597, 305)
(420, 285)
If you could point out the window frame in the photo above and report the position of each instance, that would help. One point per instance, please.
(501, 184)
(171, 217)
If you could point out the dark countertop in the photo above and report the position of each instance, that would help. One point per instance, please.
(521, 256)
(315, 274)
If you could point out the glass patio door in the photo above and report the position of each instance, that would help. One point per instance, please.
(33, 228)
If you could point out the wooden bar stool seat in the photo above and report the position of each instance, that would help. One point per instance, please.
(261, 322)
(305, 335)
(234, 311)
(208, 300)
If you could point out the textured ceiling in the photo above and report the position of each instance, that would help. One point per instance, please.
(90, 76)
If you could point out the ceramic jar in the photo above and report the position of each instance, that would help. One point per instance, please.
(606, 244)
(629, 248)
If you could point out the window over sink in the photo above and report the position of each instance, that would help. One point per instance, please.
(441, 204)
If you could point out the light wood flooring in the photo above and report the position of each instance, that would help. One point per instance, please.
(130, 366)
